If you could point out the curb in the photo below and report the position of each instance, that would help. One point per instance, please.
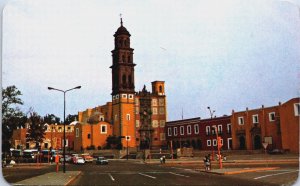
(241, 171)
(73, 179)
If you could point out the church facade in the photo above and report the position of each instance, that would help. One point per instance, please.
(138, 117)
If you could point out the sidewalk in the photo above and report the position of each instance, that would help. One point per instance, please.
(52, 178)
(227, 171)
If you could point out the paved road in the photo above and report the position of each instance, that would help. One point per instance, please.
(133, 172)
(136, 173)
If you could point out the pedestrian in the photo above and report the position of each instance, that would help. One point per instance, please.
(164, 159)
(161, 160)
(206, 163)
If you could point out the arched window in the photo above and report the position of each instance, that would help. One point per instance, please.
(128, 59)
(129, 79)
(123, 58)
(124, 79)
(160, 88)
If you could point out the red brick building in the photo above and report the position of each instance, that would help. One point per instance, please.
(200, 133)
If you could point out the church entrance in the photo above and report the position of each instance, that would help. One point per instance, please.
(242, 142)
(257, 142)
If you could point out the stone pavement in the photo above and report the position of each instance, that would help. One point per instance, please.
(52, 178)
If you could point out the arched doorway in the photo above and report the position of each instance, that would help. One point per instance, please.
(242, 142)
(257, 142)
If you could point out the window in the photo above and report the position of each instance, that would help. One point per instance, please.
(59, 129)
(208, 143)
(124, 79)
(196, 129)
(213, 129)
(137, 123)
(214, 142)
(175, 131)
(229, 128)
(162, 123)
(272, 116)
(241, 120)
(124, 95)
(219, 129)
(221, 141)
(101, 118)
(154, 123)
(297, 109)
(127, 117)
(77, 132)
(181, 130)
(154, 111)
(89, 136)
(189, 129)
(69, 129)
(130, 96)
(117, 96)
(207, 130)
(127, 138)
(116, 117)
(162, 136)
(161, 110)
(255, 118)
(161, 102)
(160, 88)
(154, 102)
(170, 131)
(103, 129)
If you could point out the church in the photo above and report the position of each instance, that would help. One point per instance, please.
(137, 117)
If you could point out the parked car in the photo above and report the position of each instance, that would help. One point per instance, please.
(29, 155)
(87, 158)
(74, 158)
(101, 161)
(79, 160)
(68, 158)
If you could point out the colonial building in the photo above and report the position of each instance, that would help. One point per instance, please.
(277, 125)
(138, 116)
(199, 133)
(53, 137)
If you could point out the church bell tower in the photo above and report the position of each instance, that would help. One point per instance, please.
(123, 93)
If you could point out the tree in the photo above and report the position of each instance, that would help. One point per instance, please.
(114, 142)
(51, 119)
(12, 116)
(70, 118)
(36, 129)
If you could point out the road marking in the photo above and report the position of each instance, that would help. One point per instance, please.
(147, 175)
(178, 174)
(111, 177)
(274, 174)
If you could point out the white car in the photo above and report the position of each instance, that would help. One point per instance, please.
(80, 160)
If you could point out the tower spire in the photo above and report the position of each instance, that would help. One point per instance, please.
(121, 20)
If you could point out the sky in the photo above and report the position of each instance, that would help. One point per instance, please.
(228, 54)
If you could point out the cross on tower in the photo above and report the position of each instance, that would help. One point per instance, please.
(121, 19)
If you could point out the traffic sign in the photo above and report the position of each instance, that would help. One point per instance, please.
(265, 145)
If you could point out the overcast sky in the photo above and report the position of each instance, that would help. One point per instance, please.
(223, 54)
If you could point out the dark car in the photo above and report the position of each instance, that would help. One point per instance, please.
(101, 161)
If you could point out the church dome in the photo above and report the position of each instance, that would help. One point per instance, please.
(122, 30)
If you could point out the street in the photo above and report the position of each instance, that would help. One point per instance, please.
(135, 172)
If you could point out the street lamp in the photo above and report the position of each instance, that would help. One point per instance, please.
(64, 91)
(212, 146)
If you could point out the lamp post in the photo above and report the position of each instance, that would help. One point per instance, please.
(64, 148)
(212, 146)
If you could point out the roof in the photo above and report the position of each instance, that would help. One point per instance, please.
(184, 121)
